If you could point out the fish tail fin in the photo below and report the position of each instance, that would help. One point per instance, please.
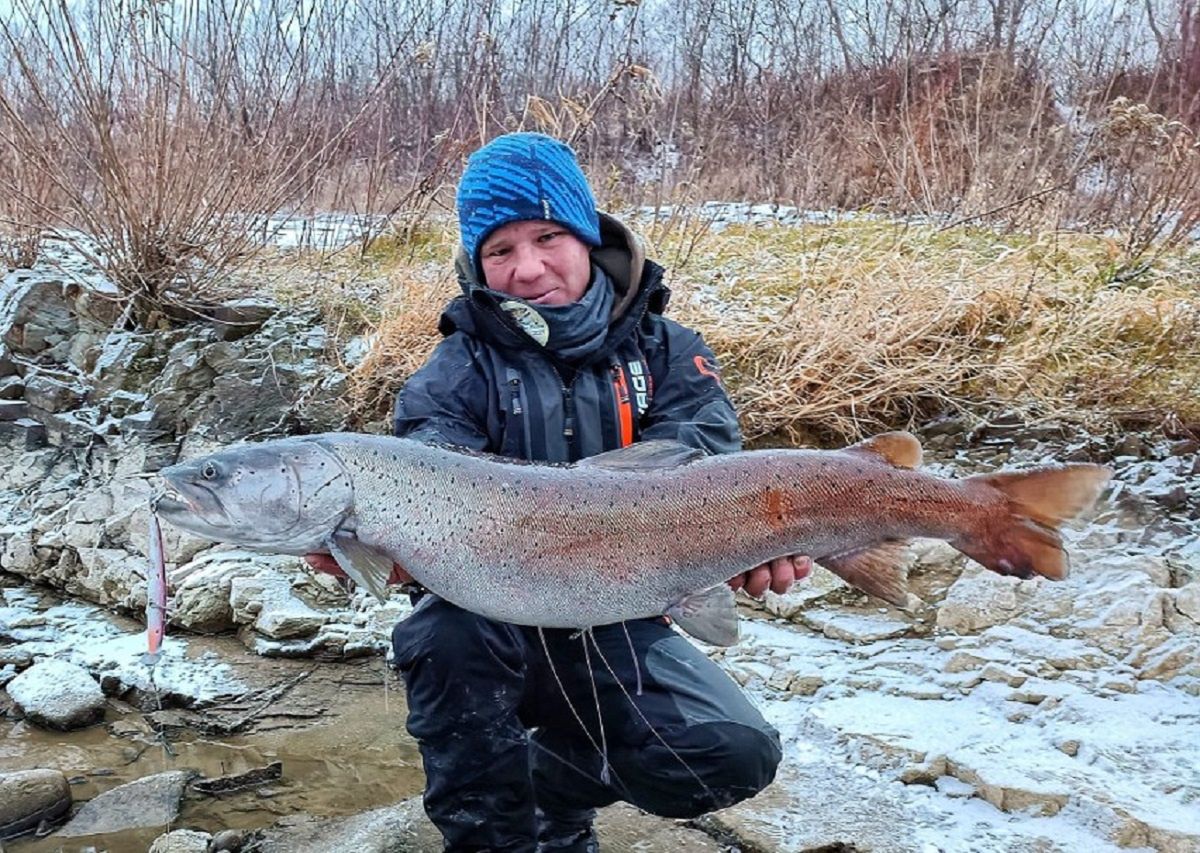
(1027, 542)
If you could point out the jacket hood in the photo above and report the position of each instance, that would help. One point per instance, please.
(637, 283)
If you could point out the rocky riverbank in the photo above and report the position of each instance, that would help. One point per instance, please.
(996, 716)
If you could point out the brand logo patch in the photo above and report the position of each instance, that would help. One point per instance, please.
(707, 368)
(641, 386)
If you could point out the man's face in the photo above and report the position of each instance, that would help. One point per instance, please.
(538, 261)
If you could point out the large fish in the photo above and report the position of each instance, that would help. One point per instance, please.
(650, 529)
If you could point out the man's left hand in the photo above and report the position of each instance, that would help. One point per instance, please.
(778, 576)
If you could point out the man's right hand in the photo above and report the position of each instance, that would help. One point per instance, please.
(326, 564)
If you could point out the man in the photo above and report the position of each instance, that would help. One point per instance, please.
(558, 350)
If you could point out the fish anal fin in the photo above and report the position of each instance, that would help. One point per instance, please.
(366, 566)
(900, 449)
(710, 615)
(658, 453)
(877, 570)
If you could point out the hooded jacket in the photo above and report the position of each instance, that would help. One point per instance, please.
(489, 386)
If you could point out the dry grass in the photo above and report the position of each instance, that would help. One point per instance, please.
(833, 331)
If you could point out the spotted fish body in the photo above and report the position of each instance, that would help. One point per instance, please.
(632, 533)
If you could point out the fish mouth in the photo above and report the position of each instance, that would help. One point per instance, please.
(192, 501)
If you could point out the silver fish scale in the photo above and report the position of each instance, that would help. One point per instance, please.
(573, 546)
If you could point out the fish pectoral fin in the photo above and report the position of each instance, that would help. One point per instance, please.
(657, 453)
(710, 615)
(366, 566)
(898, 449)
(877, 570)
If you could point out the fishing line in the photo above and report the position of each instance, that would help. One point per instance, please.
(637, 668)
(587, 662)
(649, 725)
(571, 705)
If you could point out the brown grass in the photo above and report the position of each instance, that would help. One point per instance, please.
(834, 331)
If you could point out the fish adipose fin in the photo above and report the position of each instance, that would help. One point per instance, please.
(1026, 542)
(899, 449)
(367, 567)
(709, 616)
(659, 453)
(877, 570)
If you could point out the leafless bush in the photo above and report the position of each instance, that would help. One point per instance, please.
(171, 132)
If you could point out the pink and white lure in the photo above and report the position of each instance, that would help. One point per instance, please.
(156, 591)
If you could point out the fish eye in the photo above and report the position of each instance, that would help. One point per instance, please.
(209, 471)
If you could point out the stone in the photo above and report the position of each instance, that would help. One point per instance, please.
(11, 387)
(1187, 601)
(13, 410)
(227, 841)
(792, 605)
(855, 626)
(978, 599)
(108, 576)
(146, 803)
(1004, 675)
(28, 797)
(1015, 792)
(404, 828)
(51, 394)
(273, 608)
(120, 362)
(202, 609)
(181, 841)
(57, 694)
(787, 816)
(24, 434)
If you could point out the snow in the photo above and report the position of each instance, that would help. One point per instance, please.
(85, 635)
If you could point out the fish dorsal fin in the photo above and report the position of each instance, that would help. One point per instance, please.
(366, 566)
(659, 453)
(709, 615)
(877, 570)
(901, 449)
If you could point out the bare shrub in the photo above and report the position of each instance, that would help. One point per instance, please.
(170, 137)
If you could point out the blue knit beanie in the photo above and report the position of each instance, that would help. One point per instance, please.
(522, 176)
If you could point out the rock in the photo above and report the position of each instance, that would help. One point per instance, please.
(978, 600)
(268, 601)
(121, 364)
(23, 434)
(181, 841)
(803, 595)
(149, 802)
(13, 410)
(58, 695)
(1003, 675)
(51, 394)
(781, 818)
(855, 626)
(227, 841)
(1187, 601)
(404, 828)
(27, 797)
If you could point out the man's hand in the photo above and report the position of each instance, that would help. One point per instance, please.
(326, 564)
(778, 576)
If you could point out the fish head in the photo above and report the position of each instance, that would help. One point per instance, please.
(286, 496)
